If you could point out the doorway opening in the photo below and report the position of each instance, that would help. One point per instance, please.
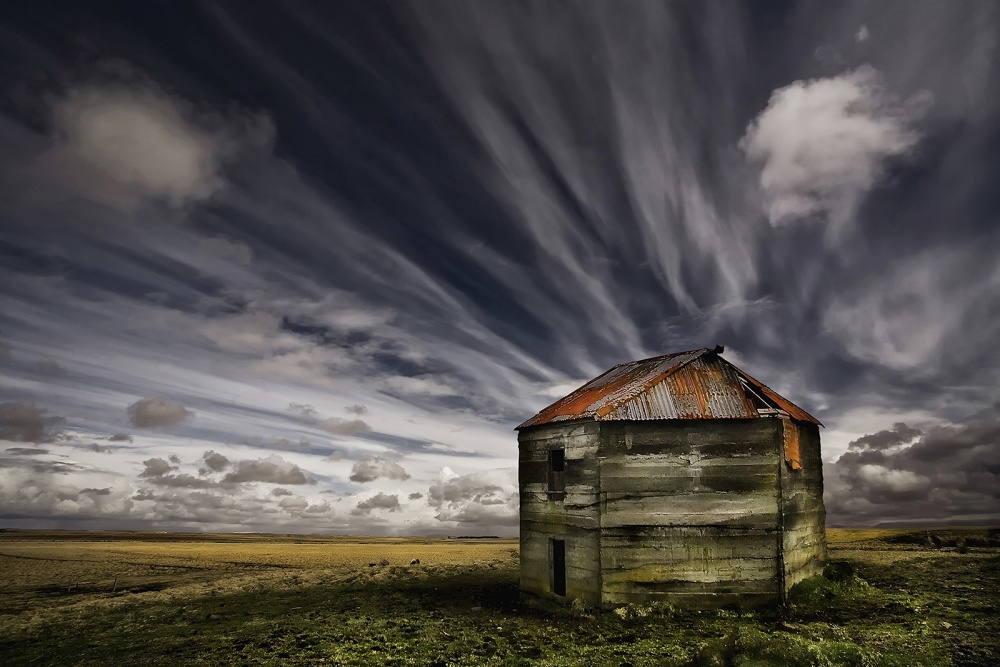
(559, 567)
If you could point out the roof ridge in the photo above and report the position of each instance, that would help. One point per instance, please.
(643, 389)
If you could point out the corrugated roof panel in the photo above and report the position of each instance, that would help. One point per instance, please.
(724, 396)
(697, 384)
(609, 390)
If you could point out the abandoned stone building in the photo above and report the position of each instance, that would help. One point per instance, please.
(678, 478)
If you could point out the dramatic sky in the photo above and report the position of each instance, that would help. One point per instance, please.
(304, 266)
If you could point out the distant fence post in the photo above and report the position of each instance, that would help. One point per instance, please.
(114, 587)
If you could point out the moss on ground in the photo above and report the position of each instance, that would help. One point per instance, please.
(924, 611)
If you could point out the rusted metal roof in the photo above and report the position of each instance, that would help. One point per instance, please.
(697, 384)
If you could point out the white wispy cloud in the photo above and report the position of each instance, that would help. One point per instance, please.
(822, 144)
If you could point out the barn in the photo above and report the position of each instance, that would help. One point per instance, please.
(678, 478)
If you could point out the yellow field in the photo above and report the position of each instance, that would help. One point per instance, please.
(42, 571)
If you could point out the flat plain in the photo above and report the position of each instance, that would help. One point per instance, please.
(892, 597)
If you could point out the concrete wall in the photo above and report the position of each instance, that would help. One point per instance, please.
(803, 512)
(573, 518)
(682, 511)
(689, 511)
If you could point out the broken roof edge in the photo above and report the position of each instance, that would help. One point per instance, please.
(794, 411)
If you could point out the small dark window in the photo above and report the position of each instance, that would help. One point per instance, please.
(558, 567)
(557, 472)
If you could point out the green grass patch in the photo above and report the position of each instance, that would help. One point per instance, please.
(921, 612)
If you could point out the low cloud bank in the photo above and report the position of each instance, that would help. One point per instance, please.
(904, 474)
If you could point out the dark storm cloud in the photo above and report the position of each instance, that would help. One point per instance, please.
(949, 473)
(374, 467)
(377, 502)
(26, 422)
(120, 437)
(897, 435)
(154, 412)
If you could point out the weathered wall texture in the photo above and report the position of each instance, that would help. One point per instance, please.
(690, 511)
(573, 518)
(685, 511)
(804, 516)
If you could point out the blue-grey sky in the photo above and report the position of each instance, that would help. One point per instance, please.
(304, 266)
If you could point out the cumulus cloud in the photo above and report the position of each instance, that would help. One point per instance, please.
(415, 496)
(162, 473)
(120, 437)
(338, 426)
(47, 492)
(214, 461)
(130, 145)
(486, 498)
(378, 501)
(357, 409)
(949, 473)
(280, 492)
(302, 409)
(373, 467)
(822, 144)
(153, 412)
(25, 422)
(273, 469)
(156, 467)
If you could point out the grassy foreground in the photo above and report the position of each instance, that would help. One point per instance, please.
(266, 600)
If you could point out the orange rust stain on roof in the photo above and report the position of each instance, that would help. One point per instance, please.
(707, 389)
